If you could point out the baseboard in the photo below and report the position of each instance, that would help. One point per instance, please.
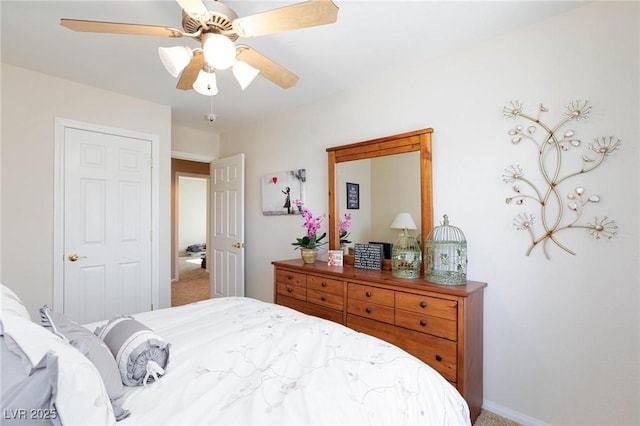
(510, 414)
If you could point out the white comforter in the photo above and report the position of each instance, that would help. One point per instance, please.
(242, 361)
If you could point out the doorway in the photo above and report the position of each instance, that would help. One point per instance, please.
(190, 220)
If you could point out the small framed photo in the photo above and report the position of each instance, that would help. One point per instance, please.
(353, 195)
(335, 258)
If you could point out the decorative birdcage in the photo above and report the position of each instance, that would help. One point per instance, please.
(406, 257)
(445, 255)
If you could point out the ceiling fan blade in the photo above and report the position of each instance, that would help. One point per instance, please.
(194, 8)
(119, 28)
(269, 69)
(190, 73)
(300, 15)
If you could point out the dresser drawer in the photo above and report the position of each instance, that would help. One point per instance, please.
(311, 309)
(325, 285)
(425, 305)
(439, 327)
(370, 310)
(368, 294)
(290, 302)
(440, 354)
(322, 298)
(295, 291)
(292, 278)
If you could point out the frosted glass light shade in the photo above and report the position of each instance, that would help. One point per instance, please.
(175, 59)
(403, 221)
(206, 84)
(244, 73)
(219, 51)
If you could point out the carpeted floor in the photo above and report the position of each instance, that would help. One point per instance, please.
(487, 418)
(192, 284)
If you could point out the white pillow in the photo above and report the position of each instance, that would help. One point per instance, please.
(11, 304)
(80, 397)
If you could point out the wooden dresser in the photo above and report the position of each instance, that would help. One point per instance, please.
(441, 325)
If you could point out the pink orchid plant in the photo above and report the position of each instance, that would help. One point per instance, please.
(345, 224)
(312, 224)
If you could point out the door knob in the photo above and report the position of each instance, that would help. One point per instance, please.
(73, 257)
(238, 245)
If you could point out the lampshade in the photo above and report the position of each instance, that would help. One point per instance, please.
(175, 59)
(205, 84)
(403, 221)
(219, 51)
(244, 73)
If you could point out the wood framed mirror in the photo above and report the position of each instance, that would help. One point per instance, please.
(417, 141)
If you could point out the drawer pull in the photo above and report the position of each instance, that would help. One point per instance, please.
(368, 294)
(423, 304)
(323, 298)
(438, 358)
(289, 277)
(423, 322)
(323, 284)
(289, 289)
(368, 310)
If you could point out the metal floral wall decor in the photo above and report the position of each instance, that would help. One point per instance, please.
(552, 144)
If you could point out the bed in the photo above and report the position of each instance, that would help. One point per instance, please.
(243, 361)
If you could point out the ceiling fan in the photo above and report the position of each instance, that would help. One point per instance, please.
(217, 27)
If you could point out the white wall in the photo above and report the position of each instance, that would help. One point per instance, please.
(31, 102)
(192, 212)
(197, 144)
(561, 335)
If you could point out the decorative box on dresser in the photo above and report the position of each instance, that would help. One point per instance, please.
(440, 324)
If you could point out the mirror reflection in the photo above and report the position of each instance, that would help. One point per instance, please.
(387, 186)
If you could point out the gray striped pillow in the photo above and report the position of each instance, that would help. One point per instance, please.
(141, 355)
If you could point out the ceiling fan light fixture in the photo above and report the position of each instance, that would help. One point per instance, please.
(219, 51)
(244, 73)
(175, 59)
(206, 84)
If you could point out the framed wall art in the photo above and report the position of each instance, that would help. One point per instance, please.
(280, 190)
(353, 195)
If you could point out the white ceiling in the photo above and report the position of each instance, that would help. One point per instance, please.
(370, 38)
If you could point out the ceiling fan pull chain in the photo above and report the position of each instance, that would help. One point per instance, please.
(211, 117)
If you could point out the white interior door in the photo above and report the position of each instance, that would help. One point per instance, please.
(107, 224)
(227, 227)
